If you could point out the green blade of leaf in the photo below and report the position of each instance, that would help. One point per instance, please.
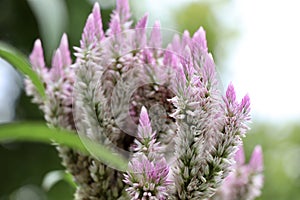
(53, 177)
(20, 62)
(39, 132)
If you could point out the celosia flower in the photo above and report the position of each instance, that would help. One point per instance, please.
(58, 81)
(148, 169)
(122, 72)
(146, 142)
(209, 128)
(246, 181)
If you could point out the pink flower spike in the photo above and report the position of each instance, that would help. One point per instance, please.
(230, 93)
(57, 66)
(186, 39)
(148, 57)
(199, 38)
(240, 156)
(114, 26)
(141, 31)
(93, 30)
(142, 23)
(37, 56)
(65, 52)
(256, 161)
(209, 69)
(176, 44)
(168, 56)
(174, 61)
(98, 28)
(122, 8)
(155, 37)
(144, 117)
(88, 32)
(245, 104)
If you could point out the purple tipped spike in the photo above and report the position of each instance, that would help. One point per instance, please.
(88, 32)
(142, 23)
(230, 93)
(199, 38)
(245, 104)
(123, 10)
(240, 156)
(155, 37)
(65, 52)
(144, 118)
(140, 28)
(114, 26)
(57, 66)
(93, 31)
(186, 39)
(256, 161)
(98, 29)
(37, 56)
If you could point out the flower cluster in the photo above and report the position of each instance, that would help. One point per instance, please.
(187, 149)
(58, 81)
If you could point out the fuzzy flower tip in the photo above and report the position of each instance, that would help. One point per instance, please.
(146, 141)
(256, 162)
(93, 31)
(120, 72)
(37, 57)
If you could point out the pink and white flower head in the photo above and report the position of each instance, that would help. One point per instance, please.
(148, 169)
(58, 81)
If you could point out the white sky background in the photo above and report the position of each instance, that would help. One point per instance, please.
(265, 59)
(264, 62)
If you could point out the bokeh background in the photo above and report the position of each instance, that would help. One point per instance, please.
(255, 45)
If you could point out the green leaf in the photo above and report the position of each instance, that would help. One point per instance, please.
(52, 19)
(53, 177)
(39, 132)
(20, 62)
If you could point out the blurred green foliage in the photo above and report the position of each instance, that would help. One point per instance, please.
(203, 13)
(25, 164)
(40, 132)
(14, 29)
(281, 149)
(192, 16)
